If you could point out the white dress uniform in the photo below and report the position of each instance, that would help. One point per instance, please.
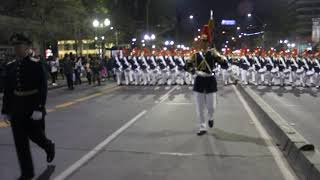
(118, 70)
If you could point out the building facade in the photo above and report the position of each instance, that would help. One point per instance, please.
(302, 14)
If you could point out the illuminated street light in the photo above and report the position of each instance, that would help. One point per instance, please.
(95, 23)
(286, 41)
(281, 41)
(102, 37)
(195, 39)
(233, 38)
(167, 43)
(96, 38)
(146, 37)
(293, 45)
(107, 22)
(153, 46)
(227, 42)
(223, 32)
(199, 30)
(111, 28)
(179, 46)
(134, 39)
(143, 45)
(191, 17)
(240, 36)
(249, 15)
(153, 37)
(165, 48)
(171, 43)
(142, 41)
(238, 28)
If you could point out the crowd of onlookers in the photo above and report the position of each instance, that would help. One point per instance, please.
(71, 68)
(74, 69)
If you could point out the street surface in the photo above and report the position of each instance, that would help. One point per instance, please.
(141, 133)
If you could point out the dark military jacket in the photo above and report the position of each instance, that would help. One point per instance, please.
(25, 87)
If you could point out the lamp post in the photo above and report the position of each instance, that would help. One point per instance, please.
(97, 24)
(264, 26)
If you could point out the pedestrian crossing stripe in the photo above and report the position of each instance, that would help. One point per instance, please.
(4, 124)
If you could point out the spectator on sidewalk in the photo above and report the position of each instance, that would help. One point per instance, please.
(68, 65)
(96, 67)
(54, 66)
(78, 70)
(88, 71)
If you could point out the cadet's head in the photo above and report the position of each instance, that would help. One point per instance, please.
(22, 45)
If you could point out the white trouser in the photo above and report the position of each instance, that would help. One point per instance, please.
(203, 101)
(316, 79)
(172, 77)
(153, 76)
(144, 77)
(180, 77)
(127, 76)
(136, 76)
(244, 76)
(293, 78)
(302, 79)
(119, 77)
(282, 78)
(226, 76)
(188, 78)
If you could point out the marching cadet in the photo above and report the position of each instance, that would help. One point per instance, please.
(294, 67)
(136, 67)
(263, 69)
(309, 71)
(316, 65)
(269, 67)
(163, 68)
(256, 67)
(24, 101)
(154, 69)
(205, 85)
(282, 68)
(126, 67)
(179, 61)
(300, 71)
(225, 69)
(172, 68)
(118, 69)
(143, 68)
(244, 66)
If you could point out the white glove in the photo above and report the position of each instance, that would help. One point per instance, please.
(37, 115)
(5, 117)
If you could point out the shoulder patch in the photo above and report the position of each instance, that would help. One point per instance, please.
(11, 62)
(34, 59)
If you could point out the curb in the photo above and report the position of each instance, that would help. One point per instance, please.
(300, 153)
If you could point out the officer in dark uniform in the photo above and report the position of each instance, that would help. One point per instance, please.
(24, 100)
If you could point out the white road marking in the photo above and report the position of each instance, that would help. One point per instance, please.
(178, 103)
(95, 151)
(165, 96)
(277, 155)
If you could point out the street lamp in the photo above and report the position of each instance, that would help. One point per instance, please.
(134, 39)
(95, 23)
(107, 22)
(286, 41)
(171, 43)
(166, 43)
(111, 28)
(195, 39)
(249, 15)
(238, 28)
(199, 30)
(146, 37)
(153, 46)
(191, 17)
(102, 37)
(281, 41)
(153, 37)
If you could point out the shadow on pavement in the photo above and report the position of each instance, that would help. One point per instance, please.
(47, 173)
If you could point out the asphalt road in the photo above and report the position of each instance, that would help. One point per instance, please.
(119, 133)
(299, 106)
